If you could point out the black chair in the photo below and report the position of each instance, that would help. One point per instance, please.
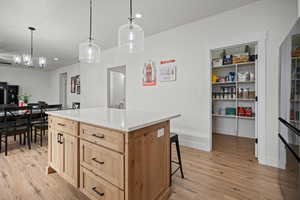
(42, 125)
(76, 105)
(174, 139)
(16, 122)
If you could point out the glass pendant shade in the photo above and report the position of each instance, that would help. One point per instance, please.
(42, 62)
(89, 52)
(131, 38)
(27, 60)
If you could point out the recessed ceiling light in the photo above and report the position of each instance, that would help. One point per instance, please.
(138, 15)
(56, 59)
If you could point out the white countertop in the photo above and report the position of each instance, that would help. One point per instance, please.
(122, 120)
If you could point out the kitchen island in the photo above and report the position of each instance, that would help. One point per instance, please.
(112, 154)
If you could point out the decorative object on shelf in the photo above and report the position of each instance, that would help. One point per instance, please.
(243, 76)
(131, 35)
(296, 52)
(214, 78)
(230, 111)
(224, 93)
(230, 78)
(28, 59)
(89, 52)
(245, 112)
(167, 70)
(227, 59)
(217, 62)
(149, 74)
(240, 58)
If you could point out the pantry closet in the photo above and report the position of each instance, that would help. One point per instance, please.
(234, 86)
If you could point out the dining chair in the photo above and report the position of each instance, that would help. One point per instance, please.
(16, 121)
(41, 127)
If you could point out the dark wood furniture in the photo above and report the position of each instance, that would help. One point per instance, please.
(16, 121)
(41, 125)
(174, 139)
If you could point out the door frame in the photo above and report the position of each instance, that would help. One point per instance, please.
(261, 40)
(61, 75)
(116, 69)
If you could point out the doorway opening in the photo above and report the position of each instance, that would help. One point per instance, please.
(234, 100)
(63, 80)
(116, 87)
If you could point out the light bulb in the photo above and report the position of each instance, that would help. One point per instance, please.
(27, 59)
(17, 59)
(42, 61)
(90, 52)
(131, 36)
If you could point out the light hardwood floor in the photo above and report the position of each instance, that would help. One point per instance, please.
(230, 172)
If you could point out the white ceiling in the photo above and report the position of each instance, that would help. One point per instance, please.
(63, 24)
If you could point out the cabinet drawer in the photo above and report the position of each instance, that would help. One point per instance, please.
(98, 189)
(103, 162)
(104, 137)
(65, 125)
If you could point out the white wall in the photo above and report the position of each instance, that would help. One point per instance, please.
(32, 82)
(298, 8)
(189, 45)
(72, 70)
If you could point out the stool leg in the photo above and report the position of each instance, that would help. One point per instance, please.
(31, 134)
(35, 132)
(0, 142)
(170, 163)
(41, 137)
(179, 157)
(29, 137)
(20, 138)
(6, 145)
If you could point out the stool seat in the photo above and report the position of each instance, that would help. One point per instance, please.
(174, 139)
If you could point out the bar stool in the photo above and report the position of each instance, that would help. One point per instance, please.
(174, 139)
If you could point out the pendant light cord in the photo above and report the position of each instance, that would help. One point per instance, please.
(91, 14)
(130, 12)
(31, 49)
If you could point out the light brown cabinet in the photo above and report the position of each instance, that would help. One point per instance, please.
(108, 164)
(63, 154)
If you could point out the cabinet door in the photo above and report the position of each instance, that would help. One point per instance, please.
(147, 163)
(56, 152)
(70, 159)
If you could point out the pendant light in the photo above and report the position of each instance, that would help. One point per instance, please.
(131, 35)
(29, 59)
(89, 52)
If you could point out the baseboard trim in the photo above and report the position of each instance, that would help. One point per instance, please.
(200, 143)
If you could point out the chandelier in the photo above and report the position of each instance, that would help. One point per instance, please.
(29, 59)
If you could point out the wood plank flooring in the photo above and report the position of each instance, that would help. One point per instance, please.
(230, 172)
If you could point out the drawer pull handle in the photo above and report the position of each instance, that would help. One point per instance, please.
(97, 136)
(99, 193)
(60, 124)
(99, 162)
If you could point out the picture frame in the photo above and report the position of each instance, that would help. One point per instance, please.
(73, 84)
